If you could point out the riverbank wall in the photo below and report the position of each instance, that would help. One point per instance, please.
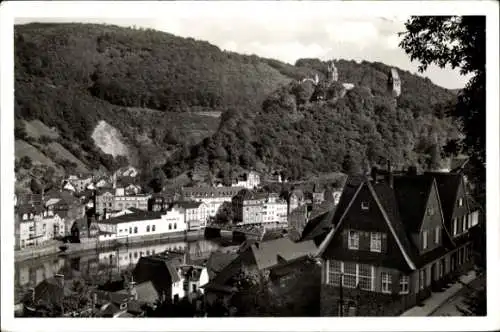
(93, 244)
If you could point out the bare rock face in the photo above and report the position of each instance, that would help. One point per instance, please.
(109, 139)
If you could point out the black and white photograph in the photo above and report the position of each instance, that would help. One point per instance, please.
(253, 159)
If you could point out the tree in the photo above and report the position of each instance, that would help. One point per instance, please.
(224, 214)
(460, 42)
(25, 162)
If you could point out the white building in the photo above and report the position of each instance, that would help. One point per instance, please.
(35, 225)
(142, 224)
(196, 213)
(212, 197)
(260, 209)
(250, 180)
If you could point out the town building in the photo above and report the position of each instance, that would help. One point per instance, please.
(28, 230)
(250, 180)
(123, 201)
(213, 197)
(104, 201)
(393, 242)
(333, 74)
(196, 213)
(259, 208)
(172, 278)
(278, 259)
(142, 224)
(161, 201)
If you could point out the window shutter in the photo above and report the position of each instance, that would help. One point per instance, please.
(396, 287)
(364, 241)
(384, 242)
(345, 237)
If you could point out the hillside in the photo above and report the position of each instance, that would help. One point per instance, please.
(160, 91)
(348, 131)
(189, 106)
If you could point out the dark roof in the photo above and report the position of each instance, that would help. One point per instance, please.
(266, 253)
(51, 291)
(318, 225)
(210, 191)
(218, 261)
(385, 198)
(352, 185)
(186, 204)
(142, 215)
(29, 208)
(160, 269)
(262, 255)
(448, 184)
(412, 194)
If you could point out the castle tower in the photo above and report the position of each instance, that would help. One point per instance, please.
(333, 74)
(394, 83)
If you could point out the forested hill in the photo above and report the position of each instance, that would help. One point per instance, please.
(161, 92)
(143, 82)
(349, 130)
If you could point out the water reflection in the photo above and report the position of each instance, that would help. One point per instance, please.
(113, 261)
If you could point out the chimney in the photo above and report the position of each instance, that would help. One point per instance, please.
(390, 177)
(412, 170)
(374, 173)
(60, 279)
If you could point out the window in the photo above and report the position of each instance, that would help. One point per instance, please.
(366, 277)
(460, 201)
(430, 211)
(130, 230)
(147, 228)
(147, 252)
(350, 275)
(135, 254)
(437, 235)
(334, 272)
(464, 223)
(386, 282)
(376, 242)
(353, 240)
(454, 226)
(169, 226)
(404, 284)
(135, 229)
(424, 239)
(365, 205)
(194, 288)
(175, 226)
(154, 228)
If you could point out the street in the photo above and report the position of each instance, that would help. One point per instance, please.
(450, 307)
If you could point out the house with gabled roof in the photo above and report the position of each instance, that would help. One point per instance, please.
(280, 259)
(390, 246)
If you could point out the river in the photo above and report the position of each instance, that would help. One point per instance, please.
(106, 263)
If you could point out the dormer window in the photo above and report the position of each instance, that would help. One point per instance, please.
(25, 216)
(424, 239)
(365, 205)
(460, 201)
(430, 211)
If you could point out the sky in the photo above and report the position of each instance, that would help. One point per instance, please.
(290, 36)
